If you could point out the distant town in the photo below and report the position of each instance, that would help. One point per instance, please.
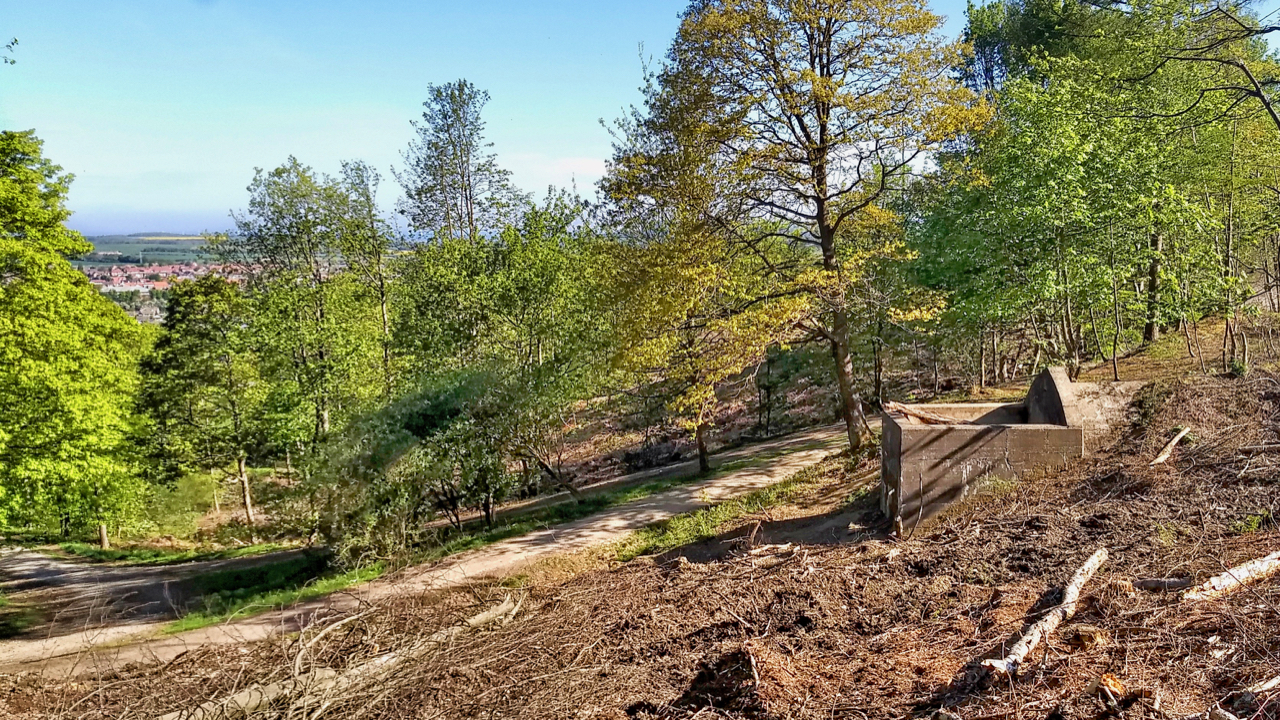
(137, 271)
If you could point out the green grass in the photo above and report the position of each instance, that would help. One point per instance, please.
(239, 593)
(1251, 524)
(144, 555)
(709, 522)
(15, 618)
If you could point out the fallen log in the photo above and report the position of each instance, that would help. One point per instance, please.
(1235, 578)
(1042, 629)
(1265, 685)
(925, 415)
(314, 685)
(1168, 449)
(1163, 584)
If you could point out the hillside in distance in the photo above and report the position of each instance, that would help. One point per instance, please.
(143, 249)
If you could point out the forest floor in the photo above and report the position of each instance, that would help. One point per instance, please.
(812, 609)
(100, 616)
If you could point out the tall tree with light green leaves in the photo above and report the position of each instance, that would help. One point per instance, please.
(202, 386)
(68, 360)
(810, 114)
(453, 185)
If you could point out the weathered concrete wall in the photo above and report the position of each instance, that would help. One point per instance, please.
(925, 468)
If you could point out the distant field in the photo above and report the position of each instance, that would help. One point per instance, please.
(147, 248)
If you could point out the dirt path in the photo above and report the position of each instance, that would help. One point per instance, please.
(75, 595)
(101, 648)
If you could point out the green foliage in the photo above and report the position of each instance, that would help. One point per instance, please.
(67, 362)
(202, 385)
(1252, 523)
(454, 188)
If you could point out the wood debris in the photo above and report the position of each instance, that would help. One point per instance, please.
(1042, 629)
(1235, 578)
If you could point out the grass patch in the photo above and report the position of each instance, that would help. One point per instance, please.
(147, 555)
(1251, 524)
(707, 523)
(236, 593)
(16, 618)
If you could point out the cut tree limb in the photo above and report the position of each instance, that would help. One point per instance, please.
(925, 415)
(1235, 578)
(312, 686)
(1163, 584)
(1265, 685)
(1168, 449)
(1042, 629)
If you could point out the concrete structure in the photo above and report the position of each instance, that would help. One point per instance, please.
(926, 467)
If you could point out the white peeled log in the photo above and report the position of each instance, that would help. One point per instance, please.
(1168, 449)
(1008, 665)
(1265, 685)
(1235, 578)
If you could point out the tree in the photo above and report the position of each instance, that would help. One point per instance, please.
(68, 361)
(201, 382)
(523, 305)
(317, 320)
(453, 185)
(812, 112)
(367, 244)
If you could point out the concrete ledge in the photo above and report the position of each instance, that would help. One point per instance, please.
(927, 467)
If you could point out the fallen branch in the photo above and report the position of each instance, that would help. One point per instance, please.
(1260, 448)
(1163, 584)
(1217, 713)
(1236, 578)
(311, 686)
(1042, 629)
(1265, 685)
(925, 415)
(1168, 449)
(320, 694)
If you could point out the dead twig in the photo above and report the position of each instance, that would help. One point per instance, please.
(925, 415)
(1168, 449)
(1042, 629)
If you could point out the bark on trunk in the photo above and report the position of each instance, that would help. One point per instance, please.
(103, 541)
(1151, 331)
(850, 403)
(242, 474)
(704, 458)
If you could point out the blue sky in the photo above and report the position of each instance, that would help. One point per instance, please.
(162, 108)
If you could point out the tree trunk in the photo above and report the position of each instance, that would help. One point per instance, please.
(242, 475)
(704, 458)
(850, 403)
(1151, 331)
(558, 480)
(103, 541)
(982, 358)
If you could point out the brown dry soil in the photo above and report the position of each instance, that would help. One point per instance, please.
(851, 622)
